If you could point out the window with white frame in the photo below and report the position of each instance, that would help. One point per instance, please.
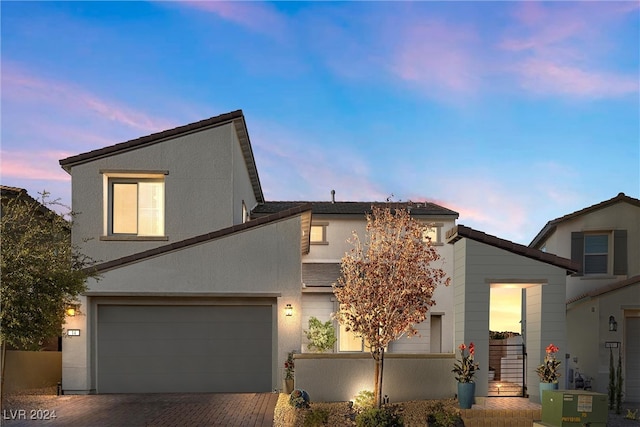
(596, 253)
(136, 207)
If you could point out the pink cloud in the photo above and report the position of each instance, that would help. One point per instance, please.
(562, 48)
(22, 87)
(436, 54)
(32, 165)
(255, 16)
(546, 77)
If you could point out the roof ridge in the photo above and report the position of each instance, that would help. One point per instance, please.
(549, 226)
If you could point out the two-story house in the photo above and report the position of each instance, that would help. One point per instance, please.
(603, 298)
(205, 286)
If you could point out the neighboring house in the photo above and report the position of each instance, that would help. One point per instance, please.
(603, 297)
(332, 226)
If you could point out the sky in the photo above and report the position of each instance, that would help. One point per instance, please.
(510, 113)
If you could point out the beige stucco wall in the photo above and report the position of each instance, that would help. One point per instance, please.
(620, 216)
(338, 231)
(339, 377)
(479, 266)
(261, 261)
(206, 183)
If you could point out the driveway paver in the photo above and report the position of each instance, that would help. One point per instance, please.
(161, 410)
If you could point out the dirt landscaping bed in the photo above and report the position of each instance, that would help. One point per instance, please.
(342, 414)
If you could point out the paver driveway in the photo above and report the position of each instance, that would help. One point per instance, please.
(121, 410)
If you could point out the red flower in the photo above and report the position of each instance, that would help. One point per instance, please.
(462, 347)
(472, 349)
(552, 349)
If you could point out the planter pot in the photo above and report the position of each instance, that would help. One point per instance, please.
(466, 393)
(287, 386)
(547, 386)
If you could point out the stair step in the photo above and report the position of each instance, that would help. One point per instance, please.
(497, 422)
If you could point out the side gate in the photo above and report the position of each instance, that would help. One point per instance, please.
(508, 363)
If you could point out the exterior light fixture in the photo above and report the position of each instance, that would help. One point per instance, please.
(70, 311)
(613, 325)
(288, 310)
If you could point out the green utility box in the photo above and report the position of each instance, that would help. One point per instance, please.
(571, 408)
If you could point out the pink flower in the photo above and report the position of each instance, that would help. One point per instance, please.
(462, 347)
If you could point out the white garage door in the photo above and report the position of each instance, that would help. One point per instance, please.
(162, 349)
(632, 360)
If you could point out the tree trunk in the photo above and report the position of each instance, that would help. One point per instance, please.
(378, 356)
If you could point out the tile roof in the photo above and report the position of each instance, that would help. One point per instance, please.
(234, 117)
(140, 256)
(550, 227)
(607, 288)
(355, 208)
(460, 231)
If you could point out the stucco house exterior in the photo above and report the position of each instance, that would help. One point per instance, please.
(603, 297)
(192, 295)
(206, 286)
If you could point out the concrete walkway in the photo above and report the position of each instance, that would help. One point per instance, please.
(117, 410)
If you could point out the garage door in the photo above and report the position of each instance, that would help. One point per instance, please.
(632, 360)
(161, 349)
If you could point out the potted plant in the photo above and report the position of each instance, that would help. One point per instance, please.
(465, 369)
(548, 370)
(321, 336)
(288, 373)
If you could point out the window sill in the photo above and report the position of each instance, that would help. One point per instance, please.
(134, 238)
(319, 243)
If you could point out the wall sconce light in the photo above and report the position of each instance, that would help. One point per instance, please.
(70, 311)
(613, 325)
(288, 310)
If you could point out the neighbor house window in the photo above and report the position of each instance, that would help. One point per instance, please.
(596, 253)
(603, 252)
(136, 207)
(319, 234)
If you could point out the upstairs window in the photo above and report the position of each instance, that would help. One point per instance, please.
(603, 252)
(136, 207)
(596, 253)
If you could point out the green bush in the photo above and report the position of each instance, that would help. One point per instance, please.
(365, 399)
(321, 336)
(378, 417)
(316, 417)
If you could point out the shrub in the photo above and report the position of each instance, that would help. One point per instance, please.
(316, 417)
(365, 399)
(321, 336)
(378, 417)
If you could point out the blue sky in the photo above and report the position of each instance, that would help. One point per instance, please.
(511, 113)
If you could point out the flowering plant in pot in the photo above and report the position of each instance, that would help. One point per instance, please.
(548, 370)
(464, 370)
(289, 368)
